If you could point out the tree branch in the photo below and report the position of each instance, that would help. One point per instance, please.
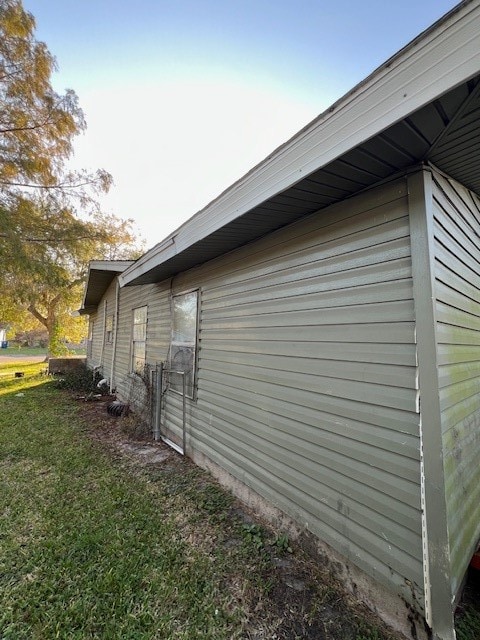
(92, 236)
(36, 314)
(60, 186)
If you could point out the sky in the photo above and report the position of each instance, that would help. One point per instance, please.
(183, 97)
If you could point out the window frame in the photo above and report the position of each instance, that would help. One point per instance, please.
(136, 342)
(192, 394)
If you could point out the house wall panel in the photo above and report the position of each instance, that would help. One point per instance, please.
(457, 229)
(307, 379)
(96, 322)
(156, 298)
(101, 347)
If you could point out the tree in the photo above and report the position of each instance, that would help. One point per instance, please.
(50, 222)
(48, 255)
(37, 129)
(37, 125)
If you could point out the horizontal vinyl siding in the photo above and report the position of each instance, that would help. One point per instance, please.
(108, 310)
(307, 379)
(101, 349)
(96, 320)
(457, 254)
(156, 298)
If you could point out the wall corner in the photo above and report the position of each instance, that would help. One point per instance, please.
(437, 581)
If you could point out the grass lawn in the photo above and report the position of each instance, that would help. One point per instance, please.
(13, 351)
(8, 370)
(95, 545)
(23, 351)
(88, 549)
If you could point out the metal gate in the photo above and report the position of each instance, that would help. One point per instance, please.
(160, 408)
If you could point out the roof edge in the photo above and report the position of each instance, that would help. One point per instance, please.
(388, 94)
(114, 267)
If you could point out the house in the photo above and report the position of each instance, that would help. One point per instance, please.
(313, 334)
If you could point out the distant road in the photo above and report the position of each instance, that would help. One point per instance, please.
(5, 359)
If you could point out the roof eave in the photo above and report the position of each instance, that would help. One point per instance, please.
(100, 275)
(444, 56)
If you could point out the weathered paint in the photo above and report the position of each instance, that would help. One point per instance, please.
(307, 379)
(438, 606)
(457, 292)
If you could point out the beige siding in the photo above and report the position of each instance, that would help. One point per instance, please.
(101, 348)
(307, 379)
(457, 253)
(96, 322)
(156, 298)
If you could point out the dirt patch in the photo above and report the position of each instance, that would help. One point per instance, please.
(298, 599)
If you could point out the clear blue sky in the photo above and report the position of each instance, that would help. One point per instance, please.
(183, 97)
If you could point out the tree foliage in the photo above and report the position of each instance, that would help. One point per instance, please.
(37, 125)
(47, 251)
(50, 222)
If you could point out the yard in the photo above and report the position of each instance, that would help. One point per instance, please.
(102, 536)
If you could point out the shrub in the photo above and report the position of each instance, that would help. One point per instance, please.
(82, 380)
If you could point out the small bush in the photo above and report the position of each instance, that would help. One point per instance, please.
(82, 380)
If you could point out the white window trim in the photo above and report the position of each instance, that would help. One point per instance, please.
(193, 395)
(133, 342)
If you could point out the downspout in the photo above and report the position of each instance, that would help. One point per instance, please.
(115, 326)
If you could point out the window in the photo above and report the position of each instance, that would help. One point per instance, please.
(139, 340)
(184, 342)
(109, 329)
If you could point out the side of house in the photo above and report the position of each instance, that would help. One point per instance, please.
(306, 380)
(303, 376)
(101, 330)
(318, 325)
(303, 381)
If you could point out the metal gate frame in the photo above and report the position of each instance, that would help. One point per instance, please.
(158, 376)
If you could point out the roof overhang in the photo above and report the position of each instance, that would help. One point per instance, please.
(100, 276)
(422, 105)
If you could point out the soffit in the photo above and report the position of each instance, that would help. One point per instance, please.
(445, 132)
(100, 276)
(420, 106)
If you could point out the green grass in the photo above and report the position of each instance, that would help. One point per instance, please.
(29, 369)
(92, 545)
(13, 350)
(23, 351)
(468, 615)
(468, 626)
(87, 547)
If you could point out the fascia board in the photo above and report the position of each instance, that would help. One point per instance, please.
(161, 252)
(109, 265)
(437, 61)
